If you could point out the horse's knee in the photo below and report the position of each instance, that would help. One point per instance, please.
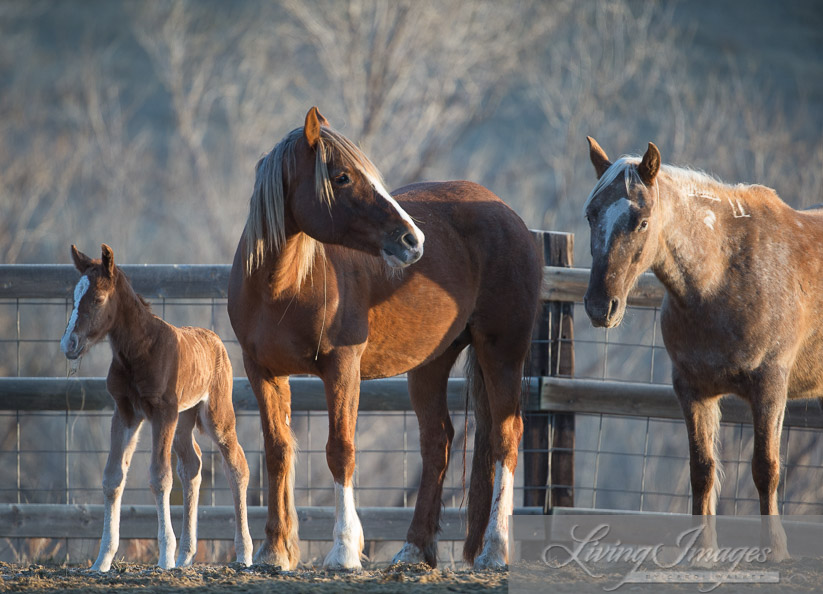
(161, 478)
(766, 473)
(340, 457)
(113, 485)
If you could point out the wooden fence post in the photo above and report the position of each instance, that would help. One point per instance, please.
(549, 467)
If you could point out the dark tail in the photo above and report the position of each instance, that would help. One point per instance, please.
(482, 476)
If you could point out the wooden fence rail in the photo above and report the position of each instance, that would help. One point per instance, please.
(548, 465)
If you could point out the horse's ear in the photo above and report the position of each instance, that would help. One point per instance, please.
(650, 165)
(108, 261)
(311, 130)
(81, 260)
(598, 156)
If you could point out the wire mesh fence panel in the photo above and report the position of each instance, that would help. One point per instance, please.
(620, 462)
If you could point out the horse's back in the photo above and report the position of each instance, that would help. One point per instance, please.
(204, 365)
(504, 264)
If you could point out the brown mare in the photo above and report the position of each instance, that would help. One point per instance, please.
(175, 378)
(329, 279)
(743, 273)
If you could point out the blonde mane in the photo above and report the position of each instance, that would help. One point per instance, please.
(693, 183)
(265, 231)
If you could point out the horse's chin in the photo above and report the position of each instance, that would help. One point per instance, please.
(397, 262)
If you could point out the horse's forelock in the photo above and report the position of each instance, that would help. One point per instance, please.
(265, 227)
(625, 166)
(350, 154)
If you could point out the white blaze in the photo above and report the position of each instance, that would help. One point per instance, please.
(79, 291)
(611, 217)
(381, 189)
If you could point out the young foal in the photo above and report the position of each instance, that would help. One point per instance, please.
(743, 273)
(175, 378)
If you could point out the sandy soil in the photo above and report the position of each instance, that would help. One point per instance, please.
(131, 577)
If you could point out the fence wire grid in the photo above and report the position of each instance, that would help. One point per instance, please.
(626, 463)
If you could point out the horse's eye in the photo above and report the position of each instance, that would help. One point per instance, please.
(342, 179)
(644, 224)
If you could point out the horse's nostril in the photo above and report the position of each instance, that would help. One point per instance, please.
(613, 305)
(409, 240)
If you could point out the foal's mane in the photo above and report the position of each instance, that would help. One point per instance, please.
(265, 231)
(125, 277)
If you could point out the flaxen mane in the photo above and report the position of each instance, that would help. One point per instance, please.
(265, 231)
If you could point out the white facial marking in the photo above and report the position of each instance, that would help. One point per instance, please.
(79, 290)
(381, 189)
(613, 214)
(709, 219)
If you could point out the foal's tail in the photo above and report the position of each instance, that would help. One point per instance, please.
(482, 475)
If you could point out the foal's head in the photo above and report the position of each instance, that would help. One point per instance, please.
(95, 303)
(623, 215)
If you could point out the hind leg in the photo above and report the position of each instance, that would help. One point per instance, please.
(274, 400)
(219, 422)
(427, 389)
(188, 469)
(502, 371)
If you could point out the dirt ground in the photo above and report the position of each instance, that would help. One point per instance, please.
(132, 577)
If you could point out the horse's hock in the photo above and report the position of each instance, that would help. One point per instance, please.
(602, 427)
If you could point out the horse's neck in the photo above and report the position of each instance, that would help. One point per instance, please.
(698, 228)
(290, 267)
(134, 327)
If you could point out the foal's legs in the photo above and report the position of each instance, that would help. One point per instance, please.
(125, 429)
(163, 425)
(342, 396)
(427, 389)
(188, 469)
(219, 421)
(274, 400)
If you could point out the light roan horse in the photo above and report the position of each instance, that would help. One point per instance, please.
(743, 273)
(330, 279)
(175, 378)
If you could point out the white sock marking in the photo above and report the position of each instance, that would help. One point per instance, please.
(348, 533)
(496, 539)
(79, 290)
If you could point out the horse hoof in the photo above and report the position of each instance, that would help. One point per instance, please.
(490, 560)
(266, 555)
(343, 558)
(410, 553)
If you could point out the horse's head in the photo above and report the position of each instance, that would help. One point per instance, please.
(95, 303)
(623, 215)
(338, 197)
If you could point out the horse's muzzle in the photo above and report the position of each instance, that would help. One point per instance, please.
(72, 346)
(604, 313)
(402, 249)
